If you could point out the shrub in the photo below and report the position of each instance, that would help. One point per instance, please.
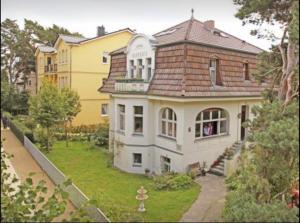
(100, 137)
(172, 181)
(180, 182)
(7, 114)
(242, 207)
(26, 131)
(42, 139)
(192, 174)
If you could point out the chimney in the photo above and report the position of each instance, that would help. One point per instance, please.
(100, 30)
(209, 24)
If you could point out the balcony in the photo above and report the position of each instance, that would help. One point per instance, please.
(50, 68)
(131, 85)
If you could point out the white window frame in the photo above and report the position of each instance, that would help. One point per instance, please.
(131, 69)
(211, 119)
(121, 114)
(138, 116)
(246, 71)
(168, 122)
(165, 162)
(148, 66)
(213, 70)
(136, 164)
(139, 67)
(105, 55)
(104, 114)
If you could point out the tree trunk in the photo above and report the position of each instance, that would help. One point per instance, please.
(290, 61)
(66, 133)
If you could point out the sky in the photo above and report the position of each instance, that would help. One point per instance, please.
(144, 16)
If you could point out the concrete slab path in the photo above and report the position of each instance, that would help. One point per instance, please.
(23, 163)
(209, 205)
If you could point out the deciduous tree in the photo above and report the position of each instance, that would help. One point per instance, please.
(71, 107)
(46, 109)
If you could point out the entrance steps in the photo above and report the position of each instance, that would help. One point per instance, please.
(218, 167)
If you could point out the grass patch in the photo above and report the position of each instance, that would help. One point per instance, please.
(115, 190)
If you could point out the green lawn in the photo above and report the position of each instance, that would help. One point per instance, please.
(114, 190)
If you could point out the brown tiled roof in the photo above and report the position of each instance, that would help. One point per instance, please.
(195, 31)
(117, 71)
(120, 50)
(182, 64)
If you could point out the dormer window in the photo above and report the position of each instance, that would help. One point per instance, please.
(132, 68)
(139, 69)
(246, 71)
(214, 72)
(140, 58)
(149, 69)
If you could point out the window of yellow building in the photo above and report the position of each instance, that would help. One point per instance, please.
(105, 58)
(66, 59)
(63, 55)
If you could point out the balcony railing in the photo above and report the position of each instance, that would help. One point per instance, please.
(131, 85)
(51, 68)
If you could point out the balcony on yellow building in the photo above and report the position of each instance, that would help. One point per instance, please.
(50, 68)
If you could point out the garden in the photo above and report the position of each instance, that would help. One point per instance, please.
(88, 163)
(90, 169)
(81, 153)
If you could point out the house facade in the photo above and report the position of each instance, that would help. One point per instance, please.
(31, 83)
(81, 64)
(179, 97)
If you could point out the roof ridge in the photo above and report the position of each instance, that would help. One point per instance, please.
(120, 30)
(188, 30)
(171, 27)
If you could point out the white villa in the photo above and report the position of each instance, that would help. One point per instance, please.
(179, 97)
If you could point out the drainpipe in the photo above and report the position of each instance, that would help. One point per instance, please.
(70, 66)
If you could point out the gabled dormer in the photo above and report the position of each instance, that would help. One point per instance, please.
(140, 64)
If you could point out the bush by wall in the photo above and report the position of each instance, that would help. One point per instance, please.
(172, 181)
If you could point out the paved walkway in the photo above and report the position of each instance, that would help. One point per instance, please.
(23, 164)
(209, 205)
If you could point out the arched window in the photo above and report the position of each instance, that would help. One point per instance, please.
(211, 122)
(168, 123)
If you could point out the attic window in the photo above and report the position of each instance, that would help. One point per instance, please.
(105, 58)
(219, 33)
(166, 32)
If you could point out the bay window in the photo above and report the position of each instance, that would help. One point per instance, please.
(211, 122)
(168, 123)
(138, 119)
(121, 124)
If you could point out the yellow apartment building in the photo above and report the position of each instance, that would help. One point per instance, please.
(81, 64)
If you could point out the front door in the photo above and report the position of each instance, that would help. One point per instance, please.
(244, 116)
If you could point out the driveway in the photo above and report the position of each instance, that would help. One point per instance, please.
(209, 205)
(23, 164)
